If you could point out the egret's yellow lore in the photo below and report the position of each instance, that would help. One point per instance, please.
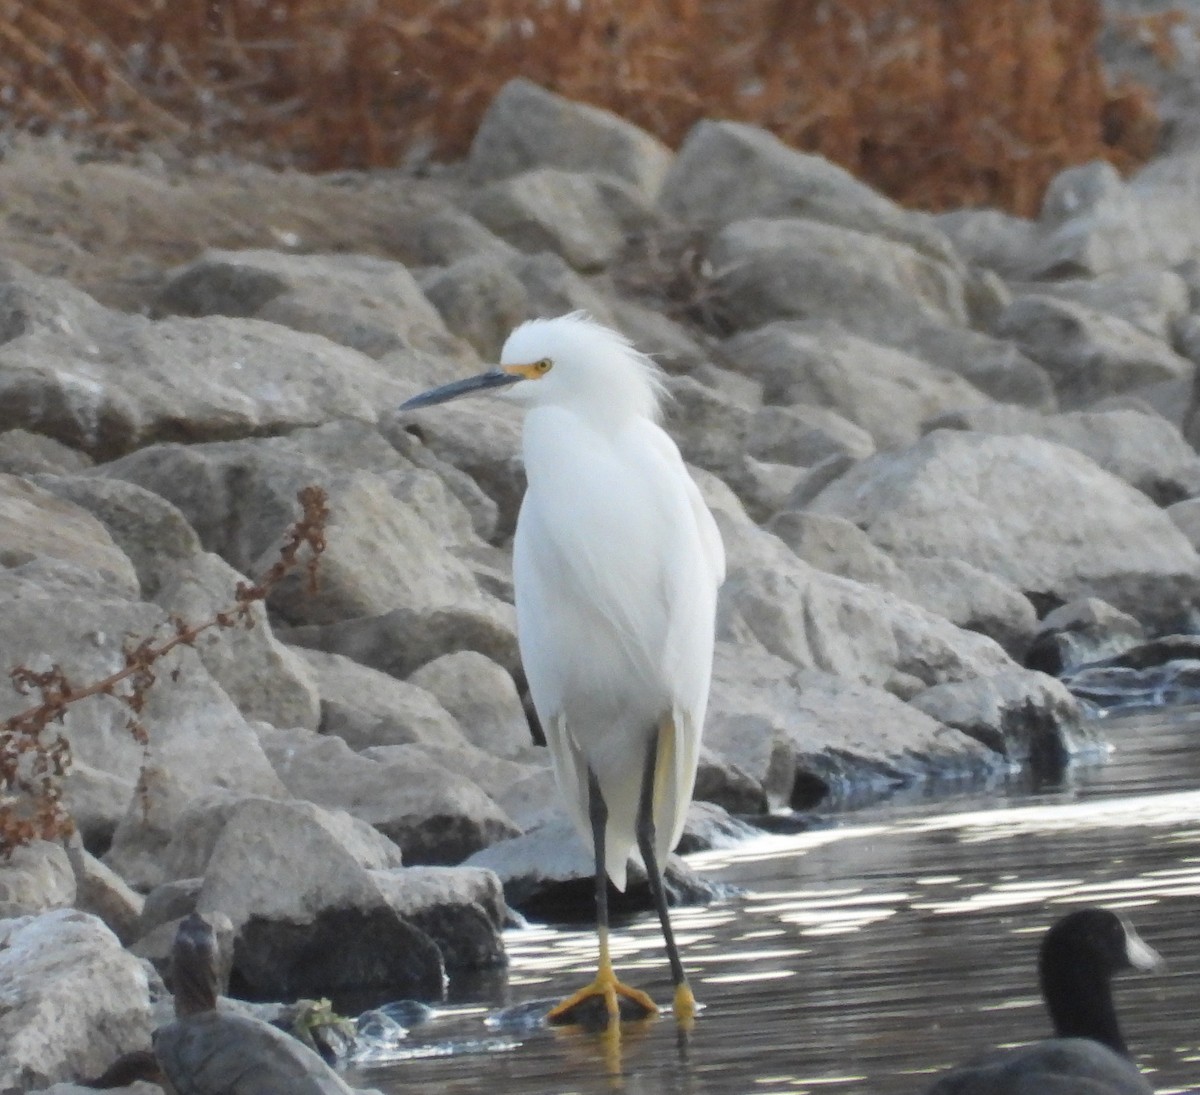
(617, 562)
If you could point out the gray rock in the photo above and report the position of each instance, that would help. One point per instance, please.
(1150, 299)
(990, 238)
(480, 437)
(34, 524)
(526, 126)
(107, 382)
(266, 679)
(104, 893)
(997, 503)
(1145, 450)
(710, 826)
(35, 878)
(1186, 515)
(433, 814)
(370, 304)
(480, 298)
(194, 731)
(993, 365)
(168, 903)
(366, 708)
(138, 1087)
(25, 453)
(549, 873)
(766, 270)
(813, 739)
(720, 782)
(1082, 631)
(728, 171)
(1088, 354)
(241, 497)
(401, 641)
(74, 1000)
(884, 391)
(553, 288)
(167, 833)
(461, 909)
(524, 784)
(710, 426)
(153, 534)
(1025, 717)
(299, 886)
(804, 435)
(672, 347)
(1091, 222)
(833, 544)
(585, 218)
(482, 697)
(448, 235)
(972, 599)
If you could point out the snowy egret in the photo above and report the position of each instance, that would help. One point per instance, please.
(616, 562)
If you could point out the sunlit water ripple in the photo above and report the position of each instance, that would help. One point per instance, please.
(864, 957)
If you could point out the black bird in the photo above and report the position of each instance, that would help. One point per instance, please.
(1087, 1055)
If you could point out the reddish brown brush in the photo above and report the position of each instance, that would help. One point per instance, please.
(34, 757)
(938, 102)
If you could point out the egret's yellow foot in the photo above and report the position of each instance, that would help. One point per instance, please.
(620, 1002)
(685, 1004)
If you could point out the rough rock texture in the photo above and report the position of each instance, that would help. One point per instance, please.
(37, 878)
(527, 126)
(71, 999)
(996, 502)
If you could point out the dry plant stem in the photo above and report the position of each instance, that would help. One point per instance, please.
(24, 735)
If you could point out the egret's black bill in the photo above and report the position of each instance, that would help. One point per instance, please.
(493, 378)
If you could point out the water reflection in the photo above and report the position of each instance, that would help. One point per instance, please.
(863, 958)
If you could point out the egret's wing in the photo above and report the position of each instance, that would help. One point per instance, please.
(694, 578)
(617, 562)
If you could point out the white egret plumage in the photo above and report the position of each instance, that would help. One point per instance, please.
(617, 562)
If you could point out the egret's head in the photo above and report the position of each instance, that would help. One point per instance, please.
(568, 361)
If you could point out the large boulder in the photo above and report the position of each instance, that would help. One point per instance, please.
(585, 218)
(192, 729)
(108, 382)
(71, 999)
(882, 390)
(366, 708)
(297, 884)
(381, 553)
(527, 126)
(1089, 354)
(370, 304)
(772, 269)
(1041, 516)
(811, 739)
(36, 525)
(435, 815)
(729, 171)
(1145, 450)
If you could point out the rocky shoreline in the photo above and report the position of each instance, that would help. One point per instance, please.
(949, 457)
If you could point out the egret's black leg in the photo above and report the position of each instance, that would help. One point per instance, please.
(606, 984)
(685, 1002)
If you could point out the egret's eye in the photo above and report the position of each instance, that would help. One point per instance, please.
(541, 368)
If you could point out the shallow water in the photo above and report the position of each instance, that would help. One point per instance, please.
(863, 957)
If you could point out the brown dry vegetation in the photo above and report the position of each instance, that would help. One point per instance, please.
(938, 102)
